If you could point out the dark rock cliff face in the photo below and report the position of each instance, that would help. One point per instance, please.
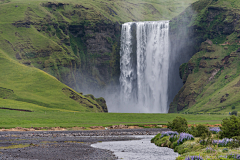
(204, 21)
(97, 47)
(94, 63)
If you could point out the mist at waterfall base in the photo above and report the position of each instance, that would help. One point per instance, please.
(145, 88)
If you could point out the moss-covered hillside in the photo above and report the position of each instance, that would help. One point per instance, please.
(28, 88)
(211, 77)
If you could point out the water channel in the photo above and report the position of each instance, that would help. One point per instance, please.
(141, 149)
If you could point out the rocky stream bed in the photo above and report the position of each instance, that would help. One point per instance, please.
(65, 144)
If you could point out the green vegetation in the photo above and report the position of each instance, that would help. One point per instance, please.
(29, 88)
(201, 130)
(230, 127)
(16, 146)
(211, 77)
(179, 124)
(45, 117)
(204, 144)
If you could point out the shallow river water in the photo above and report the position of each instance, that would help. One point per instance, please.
(138, 149)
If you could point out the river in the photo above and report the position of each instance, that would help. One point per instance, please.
(141, 149)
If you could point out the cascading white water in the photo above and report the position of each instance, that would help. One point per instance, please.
(144, 67)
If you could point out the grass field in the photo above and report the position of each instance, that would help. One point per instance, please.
(50, 118)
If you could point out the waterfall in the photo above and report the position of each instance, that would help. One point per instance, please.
(144, 67)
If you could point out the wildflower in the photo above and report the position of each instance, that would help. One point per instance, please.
(168, 133)
(209, 150)
(184, 137)
(222, 143)
(194, 158)
(215, 129)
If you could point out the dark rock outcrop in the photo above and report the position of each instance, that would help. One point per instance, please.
(84, 100)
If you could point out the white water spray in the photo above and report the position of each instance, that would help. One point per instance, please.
(144, 67)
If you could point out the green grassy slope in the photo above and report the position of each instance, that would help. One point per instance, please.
(23, 87)
(212, 76)
(115, 10)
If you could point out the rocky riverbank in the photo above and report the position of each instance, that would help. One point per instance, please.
(64, 144)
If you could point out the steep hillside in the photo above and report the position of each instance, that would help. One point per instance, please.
(75, 41)
(211, 77)
(28, 88)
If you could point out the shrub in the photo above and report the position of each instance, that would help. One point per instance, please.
(234, 113)
(179, 124)
(201, 129)
(192, 131)
(230, 127)
(225, 150)
(155, 138)
(210, 150)
(206, 139)
(235, 143)
(173, 138)
(233, 107)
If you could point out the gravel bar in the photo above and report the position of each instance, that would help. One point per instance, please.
(65, 144)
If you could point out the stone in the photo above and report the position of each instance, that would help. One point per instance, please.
(238, 50)
(223, 99)
(27, 62)
(210, 49)
(233, 54)
(209, 42)
(18, 56)
(203, 64)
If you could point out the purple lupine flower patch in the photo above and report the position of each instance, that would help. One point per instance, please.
(210, 150)
(194, 158)
(184, 137)
(222, 143)
(168, 133)
(215, 130)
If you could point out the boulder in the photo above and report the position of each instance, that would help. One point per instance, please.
(18, 56)
(210, 49)
(238, 50)
(203, 64)
(233, 54)
(209, 42)
(223, 99)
